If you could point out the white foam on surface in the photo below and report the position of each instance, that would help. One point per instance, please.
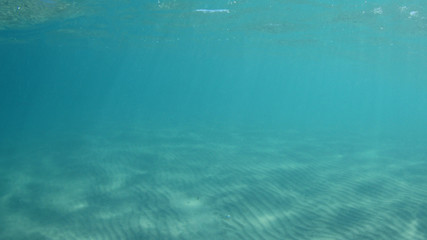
(213, 10)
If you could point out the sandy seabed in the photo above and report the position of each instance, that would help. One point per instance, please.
(213, 184)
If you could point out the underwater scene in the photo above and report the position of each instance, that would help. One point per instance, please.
(226, 119)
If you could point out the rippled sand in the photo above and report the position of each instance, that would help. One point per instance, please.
(212, 184)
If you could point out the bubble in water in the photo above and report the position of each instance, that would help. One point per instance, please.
(413, 14)
(378, 10)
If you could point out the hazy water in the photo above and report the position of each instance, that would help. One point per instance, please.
(306, 64)
(84, 80)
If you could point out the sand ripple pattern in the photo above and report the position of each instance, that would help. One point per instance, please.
(205, 184)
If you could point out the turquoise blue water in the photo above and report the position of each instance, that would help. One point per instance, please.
(213, 119)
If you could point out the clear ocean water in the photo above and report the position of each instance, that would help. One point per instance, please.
(168, 119)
